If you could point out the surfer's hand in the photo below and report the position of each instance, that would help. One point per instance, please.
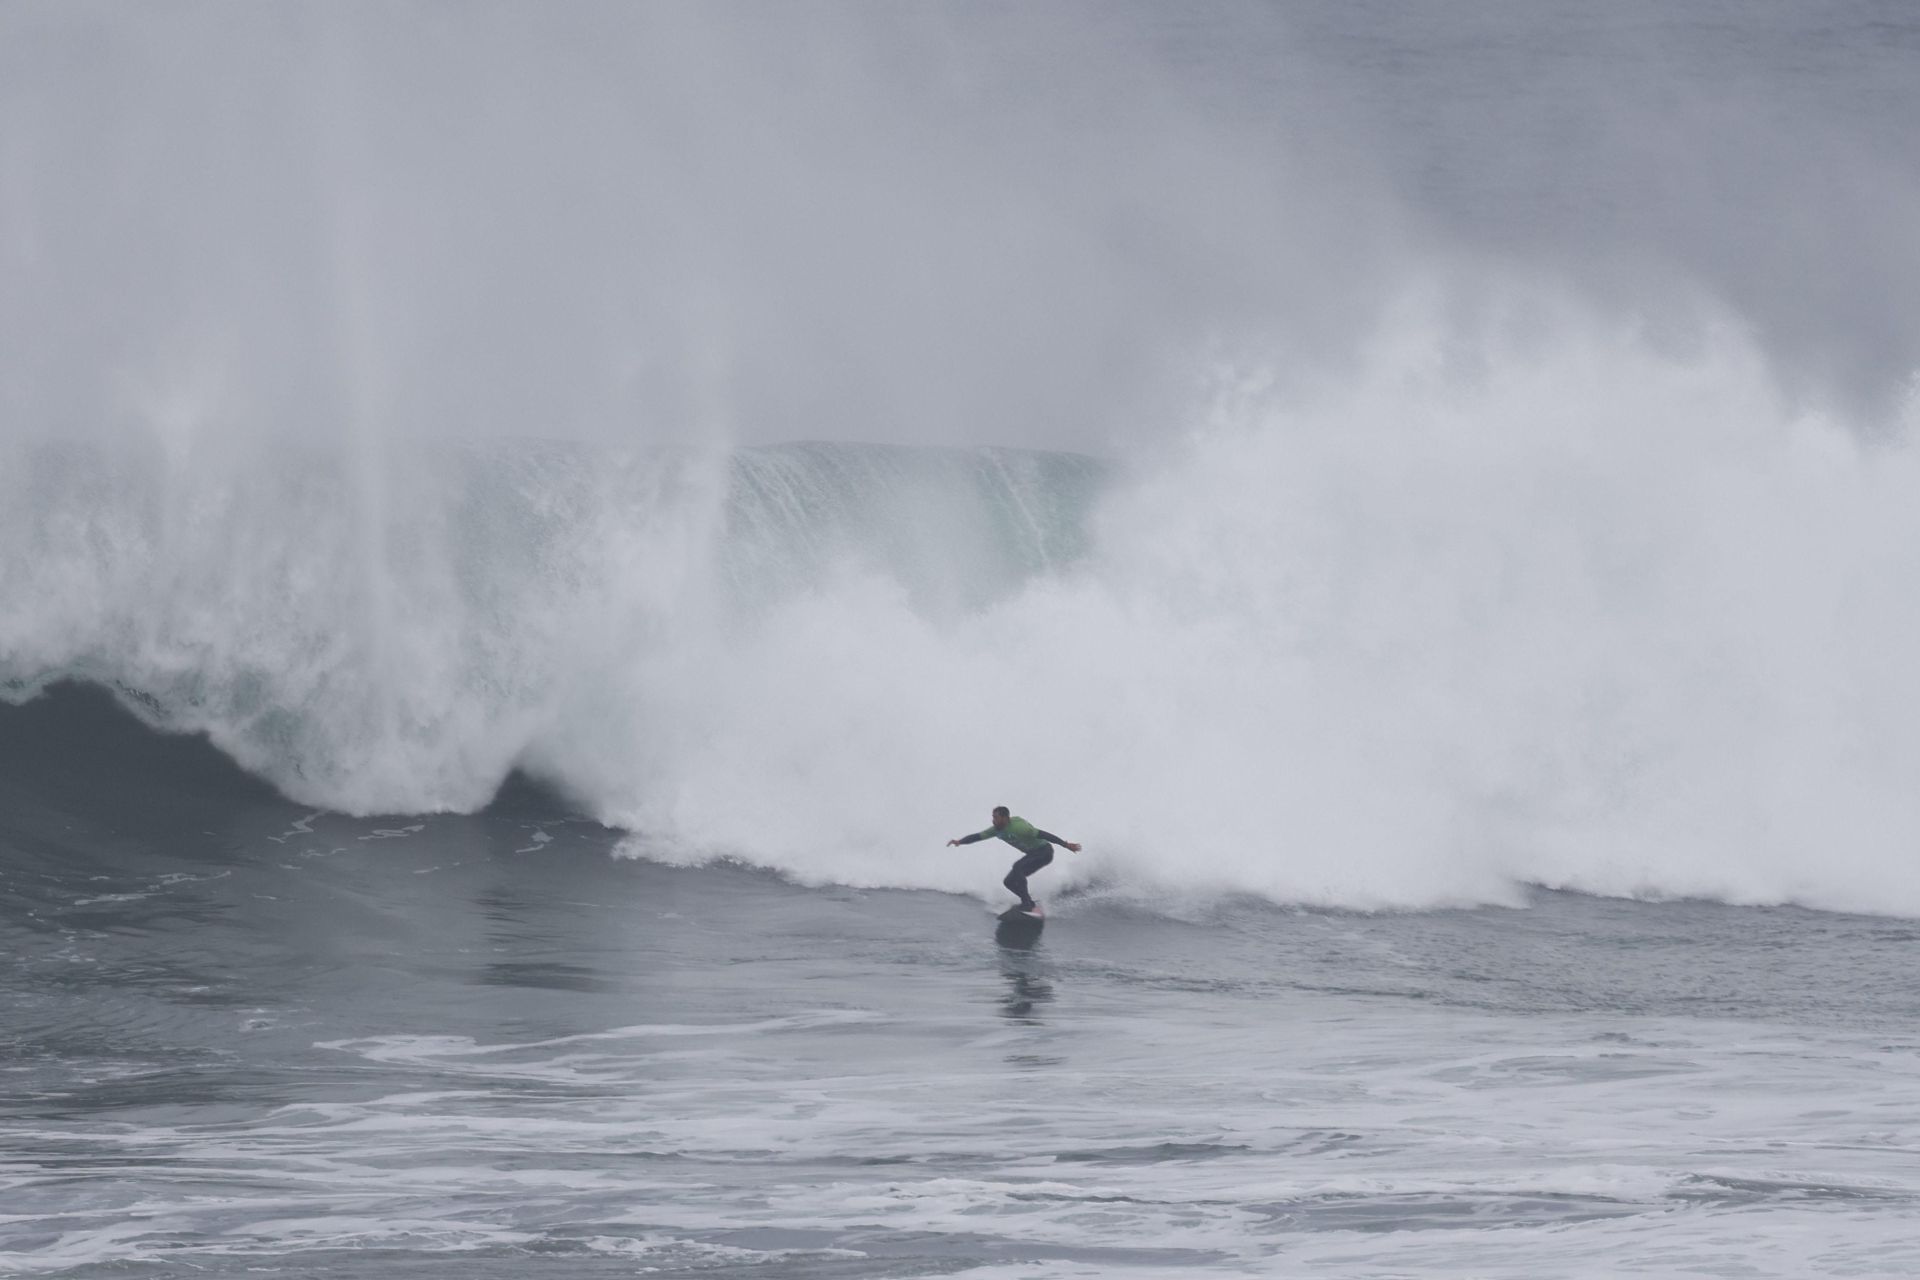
(952, 843)
(1071, 845)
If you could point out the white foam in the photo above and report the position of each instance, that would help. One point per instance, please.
(1593, 617)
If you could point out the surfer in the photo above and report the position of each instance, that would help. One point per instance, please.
(1035, 846)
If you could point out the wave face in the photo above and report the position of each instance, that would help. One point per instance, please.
(396, 636)
(1569, 610)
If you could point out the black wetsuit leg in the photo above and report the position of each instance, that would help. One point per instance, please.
(1017, 878)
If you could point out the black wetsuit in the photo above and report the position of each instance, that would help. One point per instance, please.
(1036, 849)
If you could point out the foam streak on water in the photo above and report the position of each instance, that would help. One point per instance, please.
(432, 1051)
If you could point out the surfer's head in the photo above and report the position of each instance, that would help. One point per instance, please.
(1002, 815)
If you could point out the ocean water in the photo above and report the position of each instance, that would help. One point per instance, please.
(523, 532)
(245, 1035)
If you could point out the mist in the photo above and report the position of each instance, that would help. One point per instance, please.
(909, 223)
(917, 223)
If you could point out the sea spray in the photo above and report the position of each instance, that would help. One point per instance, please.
(1558, 607)
(227, 592)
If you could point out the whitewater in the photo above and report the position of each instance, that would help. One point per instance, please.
(1587, 616)
(524, 533)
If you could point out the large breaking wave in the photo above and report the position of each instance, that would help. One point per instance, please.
(1440, 545)
(1572, 609)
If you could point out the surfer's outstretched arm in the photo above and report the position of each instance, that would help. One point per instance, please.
(978, 835)
(1051, 838)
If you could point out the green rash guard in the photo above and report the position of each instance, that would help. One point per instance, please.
(1019, 833)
